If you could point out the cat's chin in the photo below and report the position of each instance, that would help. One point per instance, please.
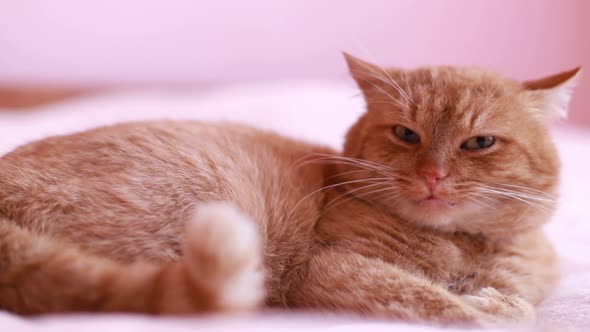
(433, 212)
(436, 204)
(440, 214)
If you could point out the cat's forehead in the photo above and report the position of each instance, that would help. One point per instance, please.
(451, 99)
(446, 81)
(458, 96)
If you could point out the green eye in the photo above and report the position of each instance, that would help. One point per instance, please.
(478, 143)
(406, 135)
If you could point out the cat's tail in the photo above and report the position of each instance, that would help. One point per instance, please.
(220, 270)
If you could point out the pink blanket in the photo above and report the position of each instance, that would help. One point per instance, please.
(315, 111)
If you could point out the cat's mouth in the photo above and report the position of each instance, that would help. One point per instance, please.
(433, 201)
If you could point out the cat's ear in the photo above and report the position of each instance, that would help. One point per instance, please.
(551, 95)
(366, 75)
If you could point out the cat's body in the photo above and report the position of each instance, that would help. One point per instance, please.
(126, 192)
(101, 220)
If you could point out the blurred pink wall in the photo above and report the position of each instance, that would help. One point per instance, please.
(209, 41)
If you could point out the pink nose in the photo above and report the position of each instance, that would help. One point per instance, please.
(432, 174)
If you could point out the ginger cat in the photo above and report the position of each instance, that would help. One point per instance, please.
(432, 211)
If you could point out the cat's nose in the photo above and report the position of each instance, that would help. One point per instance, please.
(432, 174)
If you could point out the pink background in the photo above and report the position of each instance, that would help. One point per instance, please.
(212, 41)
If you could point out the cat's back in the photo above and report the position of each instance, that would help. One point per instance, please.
(135, 143)
(126, 190)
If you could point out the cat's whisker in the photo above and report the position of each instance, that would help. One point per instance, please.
(525, 188)
(400, 104)
(537, 196)
(494, 202)
(344, 173)
(329, 187)
(358, 164)
(341, 174)
(315, 157)
(395, 85)
(386, 195)
(386, 192)
(529, 196)
(327, 160)
(296, 164)
(359, 167)
(355, 160)
(479, 202)
(513, 194)
(352, 159)
(386, 102)
(357, 196)
(517, 197)
(408, 88)
(391, 82)
(355, 190)
(472, 191)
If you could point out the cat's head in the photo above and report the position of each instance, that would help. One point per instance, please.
(456, 149)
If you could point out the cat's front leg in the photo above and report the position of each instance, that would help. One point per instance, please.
(500, 308)
(519, 275)
(337, 279)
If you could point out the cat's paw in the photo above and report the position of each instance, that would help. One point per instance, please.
(497, 308)
(222, 253)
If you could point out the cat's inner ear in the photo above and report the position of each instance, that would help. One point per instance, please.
(551, 95)
(367, 75)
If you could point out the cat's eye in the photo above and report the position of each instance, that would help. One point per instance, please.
(406, 134)
(478, 143)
